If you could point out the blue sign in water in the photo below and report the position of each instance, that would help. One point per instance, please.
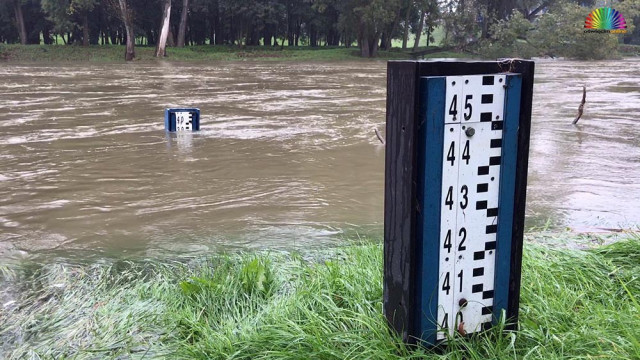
(182, 119)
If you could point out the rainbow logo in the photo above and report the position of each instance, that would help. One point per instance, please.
(605, 18)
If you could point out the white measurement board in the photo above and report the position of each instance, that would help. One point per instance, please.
(467, 157)
(183, 121)
(469, 203)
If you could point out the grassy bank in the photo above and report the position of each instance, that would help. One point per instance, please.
(575, 304)
(115, 53)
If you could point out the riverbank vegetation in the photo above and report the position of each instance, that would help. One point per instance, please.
(503, 28)
(324, 305)
(554, 34)
(113, 53)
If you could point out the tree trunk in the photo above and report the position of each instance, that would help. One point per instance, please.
(384, 41)
(485, 28)
(387, 36)
(85, 28)
(419, 32)
(267, 36)
(289, 24)
(364, 47)
(183, 23)
(333, 39)
(313, 36)
(405, 35)
(252, 37)
(46, 34)
(130, 52)
(368, 40)
(164, 30)
(22, 31)
(231, 38)
(220, 36)
(170, 38)
(373, 45)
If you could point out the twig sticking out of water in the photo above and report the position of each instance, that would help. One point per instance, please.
(581, 107)
(379, 136)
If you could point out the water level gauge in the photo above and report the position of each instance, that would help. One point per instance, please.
(453, 229)
(469, 194)
(182, 119)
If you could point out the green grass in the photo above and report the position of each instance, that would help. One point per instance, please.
(438, 37)
(575, 304)
(115, 53)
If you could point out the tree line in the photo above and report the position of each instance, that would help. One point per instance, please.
(370, 25)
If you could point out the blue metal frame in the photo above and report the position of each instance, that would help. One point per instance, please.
(170, 119)
(429, 188)
(507, 195)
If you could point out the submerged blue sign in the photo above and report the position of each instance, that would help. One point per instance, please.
(182, 119)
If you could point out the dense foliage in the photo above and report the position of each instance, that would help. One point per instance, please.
(493, 28)
(558, 32)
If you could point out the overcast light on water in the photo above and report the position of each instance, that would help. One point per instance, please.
(286, 157)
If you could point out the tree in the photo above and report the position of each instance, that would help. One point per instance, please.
(423, 14)
(22, 31)
(369, 18)
(164, 30)
(409, 9)
(8, 29)
(295, 12)
(65, 14)
(432, 18)
(462, 23)
(183, 23)
(127, 18)
(429, 11)
(83, 7)
(557, 32)
(390, 29)
(58, 13)
(631, 12)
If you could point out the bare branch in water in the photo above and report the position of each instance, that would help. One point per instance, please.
(581, 107)
(379, 136)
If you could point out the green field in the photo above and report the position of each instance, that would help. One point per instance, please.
(115, 53)
(575, 304)
(437, 35)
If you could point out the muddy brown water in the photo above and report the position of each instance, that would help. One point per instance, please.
(286, 157)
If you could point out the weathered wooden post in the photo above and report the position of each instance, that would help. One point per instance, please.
(455, 187)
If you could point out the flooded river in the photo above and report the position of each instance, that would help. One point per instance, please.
(287, 156)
